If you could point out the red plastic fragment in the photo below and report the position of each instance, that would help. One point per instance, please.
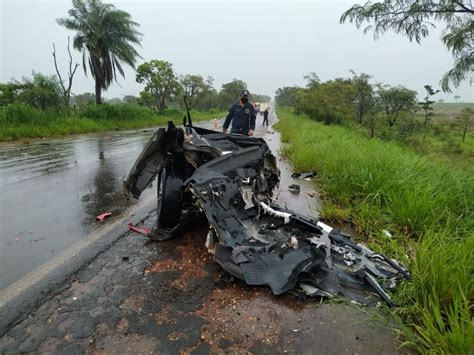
(102, 216)
(143, 230)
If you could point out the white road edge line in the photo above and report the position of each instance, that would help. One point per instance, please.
(45, 269)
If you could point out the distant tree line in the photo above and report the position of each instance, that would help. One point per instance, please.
(163, 88)
(386, 111)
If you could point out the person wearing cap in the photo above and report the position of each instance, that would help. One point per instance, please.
(242, 115)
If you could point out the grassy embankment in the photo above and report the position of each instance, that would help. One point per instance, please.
(426, 203)
(22, 122)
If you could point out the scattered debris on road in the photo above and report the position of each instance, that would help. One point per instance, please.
(294, 188)
(304, 176)
(102, 216)
(229, 180)
(143, 230)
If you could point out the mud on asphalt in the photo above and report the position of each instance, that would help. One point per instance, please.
(141, 296)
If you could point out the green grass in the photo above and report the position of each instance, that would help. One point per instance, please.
(23, 122)
(442, 141)
(451, 109)
(426, 203)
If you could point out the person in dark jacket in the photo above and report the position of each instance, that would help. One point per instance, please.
(265, 117)
(242, 115)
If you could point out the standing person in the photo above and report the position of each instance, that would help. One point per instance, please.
(242, 116)
(265, 116)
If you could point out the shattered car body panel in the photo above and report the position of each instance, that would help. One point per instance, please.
(230, 179)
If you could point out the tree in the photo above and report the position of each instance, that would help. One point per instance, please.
(70, 75)
(130, 99)
(195, 89)
(364, 94)
(114, 101)
(261, 98)
(41, 91)
(160, 82)
(331, 102)
(414, 18)
(106, 36)
(10, 92)
(373, 108)
(426, 106)
(287, 96)
(83, 100)
(465, 117)
(395, 100)
(230, 92)
(313, 80)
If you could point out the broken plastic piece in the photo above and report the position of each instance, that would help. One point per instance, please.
(293, 242)
(102, 216)
(267, 209)
(304, 176)
(143, 230)
(294, 188)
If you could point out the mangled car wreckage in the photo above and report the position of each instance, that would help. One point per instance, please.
(230, 179)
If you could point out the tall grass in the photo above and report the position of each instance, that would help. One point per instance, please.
(427, 204)
(119, 112)
(18, 121)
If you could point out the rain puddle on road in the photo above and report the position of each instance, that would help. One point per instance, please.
(53, 190)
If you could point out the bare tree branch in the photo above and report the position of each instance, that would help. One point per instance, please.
(57, 70)
(70, 74)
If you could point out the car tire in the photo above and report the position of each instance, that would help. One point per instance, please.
(170, 199)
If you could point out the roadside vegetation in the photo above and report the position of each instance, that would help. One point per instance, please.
(21, 122)
(35, 106)
(428, 207)
(387, 163)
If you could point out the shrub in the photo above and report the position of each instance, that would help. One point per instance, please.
(117, 112)
(15, 114)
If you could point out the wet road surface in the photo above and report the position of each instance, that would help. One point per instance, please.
(169, 297)
(53, 190)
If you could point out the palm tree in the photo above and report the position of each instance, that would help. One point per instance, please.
(106, 36)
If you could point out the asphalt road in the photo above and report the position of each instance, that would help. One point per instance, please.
(52, 191)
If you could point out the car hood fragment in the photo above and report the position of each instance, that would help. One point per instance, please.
(251, 237)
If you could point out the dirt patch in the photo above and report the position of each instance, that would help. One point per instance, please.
(134, 302)
(164, 317)
(130, 344)
(192, 261)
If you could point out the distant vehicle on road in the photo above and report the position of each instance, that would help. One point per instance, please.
(263, 107)
(260, 107)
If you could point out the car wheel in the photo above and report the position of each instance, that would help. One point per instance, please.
(170, 199)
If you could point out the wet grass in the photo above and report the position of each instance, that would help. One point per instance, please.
(426, 204)
(20, 122)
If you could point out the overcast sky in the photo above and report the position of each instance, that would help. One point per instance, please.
(266, 44)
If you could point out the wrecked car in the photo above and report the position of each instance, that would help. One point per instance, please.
(229, 180)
